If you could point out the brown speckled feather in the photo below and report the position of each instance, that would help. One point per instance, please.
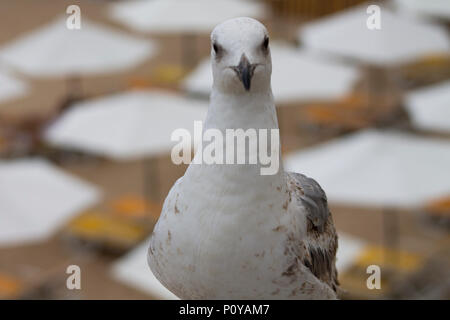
(322, 241)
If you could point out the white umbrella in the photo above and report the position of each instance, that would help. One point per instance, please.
(173, 16)
(433, 8)
(10, 87)
(126, 125)
(429, 107)
(400, 40)
(384, 170)
(189, 18)
(54, 50)
(134, 271)
(378, 169)
(349, 249)
(36, 199)
(297, 76)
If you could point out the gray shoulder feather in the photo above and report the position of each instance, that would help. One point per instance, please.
(321, 242)
(312, 197)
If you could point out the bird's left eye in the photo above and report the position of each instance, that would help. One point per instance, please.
(216, 48)
(265, 43)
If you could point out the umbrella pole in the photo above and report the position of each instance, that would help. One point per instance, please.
(73, 89)
(391, 230)
(369, 86)
(189, 49)
(151, 179)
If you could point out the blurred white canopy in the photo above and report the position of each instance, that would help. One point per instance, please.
(434, 8)
(172, 16)
(429, 107)
(297, 76)
(134, 271)
(36, 199)
(378, 169)
(10, 87)
(349, 249)
(400, 40)
(55, 50)
(126, 125)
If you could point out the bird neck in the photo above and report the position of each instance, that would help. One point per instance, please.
(254, 111)
(241, 111)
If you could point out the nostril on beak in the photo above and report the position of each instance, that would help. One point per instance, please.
(244, 71)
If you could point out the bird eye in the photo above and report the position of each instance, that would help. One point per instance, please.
(265, 43)
(216, 48)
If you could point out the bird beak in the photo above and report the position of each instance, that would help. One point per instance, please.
(244, 71)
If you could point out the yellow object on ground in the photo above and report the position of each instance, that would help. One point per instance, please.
(107, 229)
(169, 73)
(10, 287)
(133, 206)
(439, 207)
(393, 264)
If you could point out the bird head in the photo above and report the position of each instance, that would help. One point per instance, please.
(240, 56)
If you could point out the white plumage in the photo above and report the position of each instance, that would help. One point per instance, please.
(228, 232)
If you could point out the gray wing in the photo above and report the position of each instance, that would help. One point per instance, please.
(321, 242)
(313, 199)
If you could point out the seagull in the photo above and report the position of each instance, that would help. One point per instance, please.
(228, 232)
